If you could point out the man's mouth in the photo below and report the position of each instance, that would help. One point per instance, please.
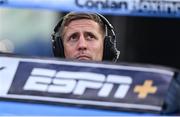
(83, 57)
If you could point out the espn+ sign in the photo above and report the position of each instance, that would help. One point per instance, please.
(93, 84)
(77, 83)
(87, 82)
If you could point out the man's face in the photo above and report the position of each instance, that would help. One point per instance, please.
(83, 40)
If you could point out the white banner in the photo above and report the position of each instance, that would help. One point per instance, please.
(157, 8)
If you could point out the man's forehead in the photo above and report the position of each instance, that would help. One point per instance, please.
(83, 22)
(85, 25)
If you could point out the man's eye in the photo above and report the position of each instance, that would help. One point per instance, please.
(73, 37)
(90, 37)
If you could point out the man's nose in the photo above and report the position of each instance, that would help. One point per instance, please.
(82, 44)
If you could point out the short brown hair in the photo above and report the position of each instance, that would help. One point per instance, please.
(80, 15)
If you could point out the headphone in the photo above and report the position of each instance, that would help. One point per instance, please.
(110, 53)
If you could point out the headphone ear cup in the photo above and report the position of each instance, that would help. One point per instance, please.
(109, 52)
(57, 44)
(58, 48)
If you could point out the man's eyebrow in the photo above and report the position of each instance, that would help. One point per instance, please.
(91, 34)
(71, 34)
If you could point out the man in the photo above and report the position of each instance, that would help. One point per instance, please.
(83, 36)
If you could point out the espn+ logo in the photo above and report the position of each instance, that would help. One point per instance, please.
(77, 83)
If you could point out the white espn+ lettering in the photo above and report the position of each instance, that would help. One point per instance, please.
(76, 82)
